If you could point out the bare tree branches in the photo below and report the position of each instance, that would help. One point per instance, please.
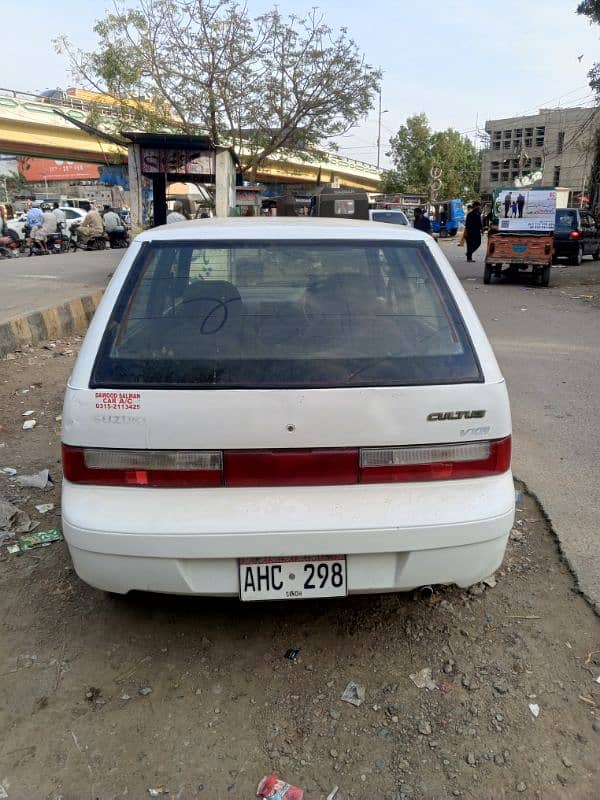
(260, 84)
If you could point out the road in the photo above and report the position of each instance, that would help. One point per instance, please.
(546, 341)
(33, 283)
(107, 698)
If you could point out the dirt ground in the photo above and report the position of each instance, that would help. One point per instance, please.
(104, 698)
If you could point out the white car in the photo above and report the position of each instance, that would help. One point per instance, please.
(285, 408)
(17, 224)
(391, 216)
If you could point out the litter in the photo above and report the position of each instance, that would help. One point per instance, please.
(41, 539)
(13, 519)
(43, 508)
(27, 413)
(274, 788)
(518, 496)
(354, 694)
(333, 792)
(145, 691)
(598, 679)
(158, 791)
(5, 535)
(3, 793)
(10, 471)
(424, 680)
(29, 425)
(292, 654)
(39, 480)
(491, 581)
(535, 709)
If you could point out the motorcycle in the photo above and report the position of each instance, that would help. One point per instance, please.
(94, 243)
(57, 242)
(118, 238)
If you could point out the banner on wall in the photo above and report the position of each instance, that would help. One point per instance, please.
(35, 170)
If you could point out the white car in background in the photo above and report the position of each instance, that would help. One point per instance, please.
(282, 408)
(391, 216)
(16, 226)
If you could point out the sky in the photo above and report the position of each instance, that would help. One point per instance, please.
(459, 61)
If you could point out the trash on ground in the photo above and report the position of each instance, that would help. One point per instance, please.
(518, 496)
(43, 508)
(28, 413)
(276, 789)
(598, 679)
(39, 480)
(444, 686)
(333, 792)
(158, 791)
(3, 793)
(29, 425)
(292, 654)
(145, 691)
(40, 539)
(354, 694)
(6, 535)
(10, 471)
(490, 581)
(535, 709)
(424, 680)
(13, 518)
(13, 548)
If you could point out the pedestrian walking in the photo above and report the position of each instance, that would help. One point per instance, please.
(421, 222)
(474, 229)
(521, 204)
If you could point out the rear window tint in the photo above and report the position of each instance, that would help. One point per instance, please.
(284, 314)
(393, 217)
(566, 220)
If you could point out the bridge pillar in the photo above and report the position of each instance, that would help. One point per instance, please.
(134, 162)
(224, 184)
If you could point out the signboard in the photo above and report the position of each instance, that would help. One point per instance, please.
(525, 209)
(178, 162)
(46, 169)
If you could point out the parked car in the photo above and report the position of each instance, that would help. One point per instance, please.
(285, 408)
(16, 226)
(576, 234)
(392, 216)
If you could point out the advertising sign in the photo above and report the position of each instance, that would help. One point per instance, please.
(47, 169)
(525, 209)
(178, 162)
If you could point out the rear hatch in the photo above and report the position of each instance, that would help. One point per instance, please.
(566, 226)
(285, 362)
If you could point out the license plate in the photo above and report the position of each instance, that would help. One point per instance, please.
(293, 578)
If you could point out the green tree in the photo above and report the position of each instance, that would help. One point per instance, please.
(415, 149)
(460, 163)
(591, 9)
(410, 151)
(260, 84)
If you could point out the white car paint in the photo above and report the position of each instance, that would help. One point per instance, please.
(395, 536)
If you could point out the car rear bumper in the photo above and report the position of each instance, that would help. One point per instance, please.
(395, 537)
(566, 248)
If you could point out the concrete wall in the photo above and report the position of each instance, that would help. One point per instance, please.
(576, 127)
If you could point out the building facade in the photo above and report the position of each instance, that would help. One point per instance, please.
(559, 143)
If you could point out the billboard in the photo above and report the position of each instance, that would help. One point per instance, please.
(47, 169)
(525, 209)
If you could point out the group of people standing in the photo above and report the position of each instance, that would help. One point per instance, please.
(473, 227)
(514, 206)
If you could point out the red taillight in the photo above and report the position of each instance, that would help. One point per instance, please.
(315, 467)
(184, 469)
(574, 235)
(435, 462)
(291, 467)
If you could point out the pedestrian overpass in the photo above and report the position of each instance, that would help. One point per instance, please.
(33, 128)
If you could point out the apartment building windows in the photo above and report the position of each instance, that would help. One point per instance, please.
(560, 146)
(556, 178)
(540, 135)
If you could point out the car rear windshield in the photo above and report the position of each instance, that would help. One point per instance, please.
(284, 314)
(394, 217)
(566, 219)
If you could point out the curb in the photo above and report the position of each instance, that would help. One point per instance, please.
(71, 317)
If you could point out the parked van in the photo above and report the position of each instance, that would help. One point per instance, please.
(285, 408)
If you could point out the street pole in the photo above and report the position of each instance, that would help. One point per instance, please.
(379, 131)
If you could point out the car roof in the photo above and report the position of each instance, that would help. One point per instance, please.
(258, 228)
